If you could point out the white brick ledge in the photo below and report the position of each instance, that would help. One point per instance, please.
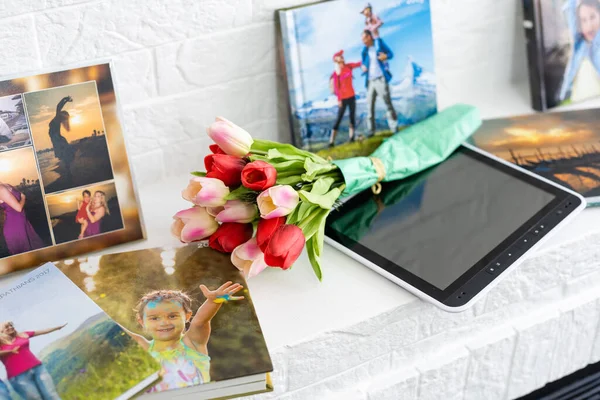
(539, 324)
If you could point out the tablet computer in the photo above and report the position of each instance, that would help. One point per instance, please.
(448, 234)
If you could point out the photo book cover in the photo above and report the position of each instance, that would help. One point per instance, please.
(188, 307)
(357, 72)
(56, 343)
(564, 50)
(65, 182)
(563, 147)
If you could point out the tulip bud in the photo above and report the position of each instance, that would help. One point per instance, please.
(193, 224)
(266, 228)
(206, 192)
(277, 201)
(238, 211)
(285, 246)
(224, 167)
(232, 139)
(259, 175)
(229, 236)
(248, 258)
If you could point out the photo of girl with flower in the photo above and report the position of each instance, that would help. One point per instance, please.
(179, 342)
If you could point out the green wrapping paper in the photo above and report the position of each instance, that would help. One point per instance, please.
(412, 150)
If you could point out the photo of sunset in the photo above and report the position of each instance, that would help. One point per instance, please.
(563, 147)
(63, 137)
(18, 173)
(68, 133)
(64, 208)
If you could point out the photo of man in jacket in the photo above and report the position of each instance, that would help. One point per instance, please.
(375, 57)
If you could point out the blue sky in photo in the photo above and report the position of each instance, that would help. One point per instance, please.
(47, 302)
(324, 29)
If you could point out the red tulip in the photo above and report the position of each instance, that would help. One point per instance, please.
(224, 167)
(215, 149)
(259, 175)
(266, 228)
(285, 246)
(229, 236)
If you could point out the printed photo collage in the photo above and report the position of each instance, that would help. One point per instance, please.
(56, 175)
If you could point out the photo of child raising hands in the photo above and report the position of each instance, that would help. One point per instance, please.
(82, 217)
(179, 342)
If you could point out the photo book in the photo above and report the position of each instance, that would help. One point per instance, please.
(56, 343)
(356, 72)
(189, 308)
(563, 50)
(563, 147)
(65, 182)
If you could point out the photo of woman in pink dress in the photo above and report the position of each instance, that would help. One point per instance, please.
(19, 235)
(96, 210)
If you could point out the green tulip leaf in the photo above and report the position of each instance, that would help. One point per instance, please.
(325, 201)
(199, 173)
(319, 237)
(314, 258)
(315, 168)
(241, 193)
(288, 180)
(310, 225)
(322, 185)
(304, 210)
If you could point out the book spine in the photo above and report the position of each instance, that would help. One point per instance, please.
(535, 53)
(288, 44)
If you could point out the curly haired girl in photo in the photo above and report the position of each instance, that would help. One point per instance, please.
(182, 352)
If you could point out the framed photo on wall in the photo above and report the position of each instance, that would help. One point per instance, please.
(65, 182)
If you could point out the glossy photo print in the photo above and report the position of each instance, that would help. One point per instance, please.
(14, 129)
(67, 124)
(81, 213)
(56, 343)
(357, 72)
(566, 50)
(22, 212)
(561, 146)
(165, 297)
(68, 135)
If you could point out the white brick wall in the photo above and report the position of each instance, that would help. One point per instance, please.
(179, 63)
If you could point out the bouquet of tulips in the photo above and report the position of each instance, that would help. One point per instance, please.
(264, 201)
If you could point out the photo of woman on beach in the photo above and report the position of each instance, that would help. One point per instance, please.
(26, 374)
(23, 220)
(581, 78)
(83, 213)
(67, 128)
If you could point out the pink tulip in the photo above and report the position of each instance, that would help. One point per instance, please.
(206, 192)
(277, 201)
(238, 211)
(193, 224)
(214, 211)
(248, 258)
(232, 139)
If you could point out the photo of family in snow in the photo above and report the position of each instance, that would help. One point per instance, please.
(85, 212)
(57, 344)
(68, 135)
(23, 219)
(14, 130)
(381, 79)
(571, 54)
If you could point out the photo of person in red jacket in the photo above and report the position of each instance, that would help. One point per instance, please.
(341, 82)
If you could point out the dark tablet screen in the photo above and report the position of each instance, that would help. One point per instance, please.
(440, 223)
